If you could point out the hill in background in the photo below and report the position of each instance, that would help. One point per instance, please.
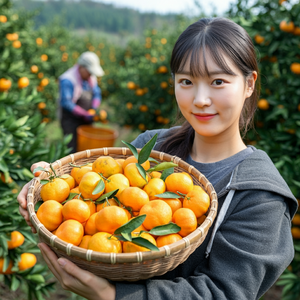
(90, 15)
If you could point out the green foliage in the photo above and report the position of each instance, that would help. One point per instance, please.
(22, 142)
(277, 125)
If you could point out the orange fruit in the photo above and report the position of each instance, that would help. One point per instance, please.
(92, 206)
(69, 180)
(155, 174)
(154, 187)
(295, 68)
(44, 57)
(263, 104)
(3, 19)
(8, 270)
(129, 247)
(76, 210)
(5, 84)
(23, 82)
(34, 69)
(173, 203)
(28, 260)
(296, 219)
(158, 213)
(179, 182)
(296, 31)
(70, 231)
(116, 181)
(81, 172)
(162, 69)
(186, 219)
(168, 239)
(296, 232)
(85, 241)
(87, 185)
(104, 242)
(201, 219)
(120, 161)
(111, 201)
(132, 159)
(42, 105)
(198, 202)
(39, 41)
(286, 26)
(44, 82)
(16, 240)
(16, 44)
(106, 166)
(57, 190)
(135, 178)
(110, 218)
(131, 85)
(134, 197)
(75, 190)
(50, 214)
(90, 225)
(259, 39)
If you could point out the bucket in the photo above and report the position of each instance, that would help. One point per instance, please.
(90, 137)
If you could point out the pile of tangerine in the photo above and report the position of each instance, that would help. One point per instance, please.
(72, 212)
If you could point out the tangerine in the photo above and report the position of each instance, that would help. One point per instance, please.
(16, 240)
(295, 68)
(28, 260)
(76, 210)
(104, 242)
(134, 197)
(154, 187)
(57, 190)
(23, 82)
(106, 166)
(186, 220)
(157, 213)
(85, 241)
(8, 270)
(50, 214)
(179, 182)
(116, 181)
(168, 239)
(90, 226)
(110, 218)
(107, 203)
(132, 159)
(198, 202)
(69, 180)
(70, 231)
(88, 184)
(135, 178)
(5, 84)
(81, 172)
(173, 203)
(263, 104)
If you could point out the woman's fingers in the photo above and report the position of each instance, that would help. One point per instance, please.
(22, 196)
(42, 164)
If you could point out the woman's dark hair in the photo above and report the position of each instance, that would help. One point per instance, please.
(220, 37)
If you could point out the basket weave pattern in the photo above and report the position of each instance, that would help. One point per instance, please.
(123, 266)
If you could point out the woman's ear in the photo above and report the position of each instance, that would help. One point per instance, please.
(251, 84)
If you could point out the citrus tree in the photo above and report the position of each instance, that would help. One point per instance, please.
(22, 142)
(275, 28)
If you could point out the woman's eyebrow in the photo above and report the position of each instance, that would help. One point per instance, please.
(210, 73)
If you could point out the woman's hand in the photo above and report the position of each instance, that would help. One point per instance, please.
(22, 197)
(76, 280)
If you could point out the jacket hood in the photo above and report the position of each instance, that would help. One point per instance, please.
(258, 172)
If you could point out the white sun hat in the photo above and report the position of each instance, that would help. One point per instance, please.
(91, 62)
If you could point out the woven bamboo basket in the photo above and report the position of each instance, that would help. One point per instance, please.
(123, 266)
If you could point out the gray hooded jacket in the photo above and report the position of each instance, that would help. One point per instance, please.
(246, 249)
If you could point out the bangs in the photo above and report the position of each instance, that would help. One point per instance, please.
(193, 59)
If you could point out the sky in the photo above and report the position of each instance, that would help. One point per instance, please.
(172, 6)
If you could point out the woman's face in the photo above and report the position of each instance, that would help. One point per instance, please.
(213, 104)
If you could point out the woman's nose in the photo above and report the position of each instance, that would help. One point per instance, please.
(202, 97)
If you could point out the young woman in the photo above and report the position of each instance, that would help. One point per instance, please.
(250, 244)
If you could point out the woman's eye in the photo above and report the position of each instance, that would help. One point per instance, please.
(218, 82)
(186, 82)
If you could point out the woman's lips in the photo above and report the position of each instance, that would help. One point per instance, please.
(204, 117)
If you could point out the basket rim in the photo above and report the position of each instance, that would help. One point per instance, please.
(112, 258)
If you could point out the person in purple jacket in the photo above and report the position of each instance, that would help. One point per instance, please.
(79, 92)
(250, 244)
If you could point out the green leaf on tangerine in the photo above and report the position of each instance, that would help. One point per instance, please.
(44, 181)
(165, 229)
(166, 173)
(142, 171)
(100, 187)
(146, 150)
(144, 243)
(108, 195)
(132, 148)
(163, 166)
(126, 236)
(153, 160)
(72, 195)
(168, 195)
(131, 225)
